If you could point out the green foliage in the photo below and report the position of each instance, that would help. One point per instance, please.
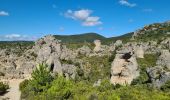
(154, 35)
(149, 60)
(97, 68)
(61, 88)
(166, 86)
(40, 82)
(41, 78)
(3, 88)
(23, 85)
(76, 41)
(81, 38)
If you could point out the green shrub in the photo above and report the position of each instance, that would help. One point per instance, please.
(149, 60)
(40, 82)
(3, 88)
(23, 85)
(166, 86)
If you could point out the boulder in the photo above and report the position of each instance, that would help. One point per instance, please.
(158, 76)
(118, 43)
(97, 46)
(85, 50)
(124, 69)
(139, 51)
(164, 59)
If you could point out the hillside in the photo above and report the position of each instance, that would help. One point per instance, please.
(80, 38)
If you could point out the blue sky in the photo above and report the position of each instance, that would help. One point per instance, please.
(31, 19)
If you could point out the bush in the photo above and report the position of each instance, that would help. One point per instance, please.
(41, 78)
(23, 85)
(3, 88)
(149, 60)
(166, 86)
(40, 82)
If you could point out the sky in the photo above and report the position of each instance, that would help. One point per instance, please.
(32, 19)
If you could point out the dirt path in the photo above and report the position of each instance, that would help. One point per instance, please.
(13, 93)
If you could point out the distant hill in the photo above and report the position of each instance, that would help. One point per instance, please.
(155, 32)
(86, 37)
(90, 37)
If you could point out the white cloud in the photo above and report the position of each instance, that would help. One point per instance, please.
(126, 3)
(92, 21)
(3, 13)
(16, 37)
(147, 10)
(12, 36)
(84, 15)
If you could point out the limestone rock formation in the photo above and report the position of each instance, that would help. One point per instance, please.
(158, 76)
(118, 43)
(84, 50)
(164, 59)
(97, 46)
(139, 52)
(50, 50)
(124, 68)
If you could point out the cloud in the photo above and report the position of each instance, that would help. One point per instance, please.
(126, 3)
(16, 37)
(3, 13)
(84, 16)
(147, 10)
(92, 21)
(12, 36)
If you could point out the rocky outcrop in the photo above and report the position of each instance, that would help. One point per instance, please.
(14, 66)
(164, 59)
(97, 46)
(139, 51)
(84, 50)
(124, 68)
(50, 50)
(118, 43)
(158, 76)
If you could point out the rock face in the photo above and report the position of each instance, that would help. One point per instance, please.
(158, 76)
(118, 43)
(139, 52)
(124, 68)
(164, 59)
(85, 50)
(50, 50)
(14, 66)
(97, 46)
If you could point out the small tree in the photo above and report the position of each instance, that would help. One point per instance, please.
(41, 78)
(3, 88)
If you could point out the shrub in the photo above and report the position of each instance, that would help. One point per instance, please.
(40, 82)
(41, 78)
(149, 60)
(3, 88)
(23, 85)
(166, 86)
